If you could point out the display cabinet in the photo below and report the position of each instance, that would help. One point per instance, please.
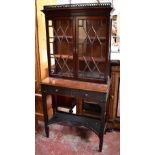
(78, 40)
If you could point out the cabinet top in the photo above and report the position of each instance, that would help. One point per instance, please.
(80, 5)
(78, 9)
(73, 84)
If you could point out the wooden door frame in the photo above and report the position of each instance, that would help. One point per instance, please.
(37, 55)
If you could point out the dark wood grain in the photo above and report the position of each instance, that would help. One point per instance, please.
(78, 50)
(76, 84)
(84, 60)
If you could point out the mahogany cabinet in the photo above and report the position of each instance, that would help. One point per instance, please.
(78, 40)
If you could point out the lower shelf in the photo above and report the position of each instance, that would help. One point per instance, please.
(92, 123)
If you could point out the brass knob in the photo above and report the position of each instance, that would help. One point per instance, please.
(112, 97)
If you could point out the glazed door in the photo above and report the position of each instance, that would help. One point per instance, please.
(91, 42)
(61, 46)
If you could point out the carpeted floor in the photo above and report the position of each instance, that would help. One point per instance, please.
(68, 140)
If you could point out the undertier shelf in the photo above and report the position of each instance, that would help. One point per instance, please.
(91, 123)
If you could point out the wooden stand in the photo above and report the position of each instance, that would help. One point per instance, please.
(76, 89)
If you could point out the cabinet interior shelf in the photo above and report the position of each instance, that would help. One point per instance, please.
(71, 37)
(62, 36)
(93, 38)
(61, 56)
(81, 58)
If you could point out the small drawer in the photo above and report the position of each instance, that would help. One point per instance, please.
(58, 90)
(62, 91)
(89, 94)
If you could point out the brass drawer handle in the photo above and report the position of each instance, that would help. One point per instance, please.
(56, 90)
(112, 97)
(86, 95)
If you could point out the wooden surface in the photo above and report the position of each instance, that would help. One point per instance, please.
(112, 108)
(37, 57)
(40, 57)
(115, 76)
(40, 28)
(73, 84)
(38, 106)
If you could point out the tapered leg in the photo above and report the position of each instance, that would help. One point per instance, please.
(101, 137)
(45, 113)
(102, 127)
(101, 144)
(47, 131)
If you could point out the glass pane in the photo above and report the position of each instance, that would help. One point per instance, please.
(50, 23)
(115, 40)
(92, 48)
(61, 47)
(51, 47)
(50, 32)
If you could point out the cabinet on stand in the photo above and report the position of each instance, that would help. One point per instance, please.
(78, 48)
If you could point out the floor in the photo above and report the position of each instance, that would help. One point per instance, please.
(69, 140)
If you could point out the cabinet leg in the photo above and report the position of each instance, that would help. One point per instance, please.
(45, 113)
(102, 126)
(101, 140)
(36, 122)
(47, 131)
(100, 144)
